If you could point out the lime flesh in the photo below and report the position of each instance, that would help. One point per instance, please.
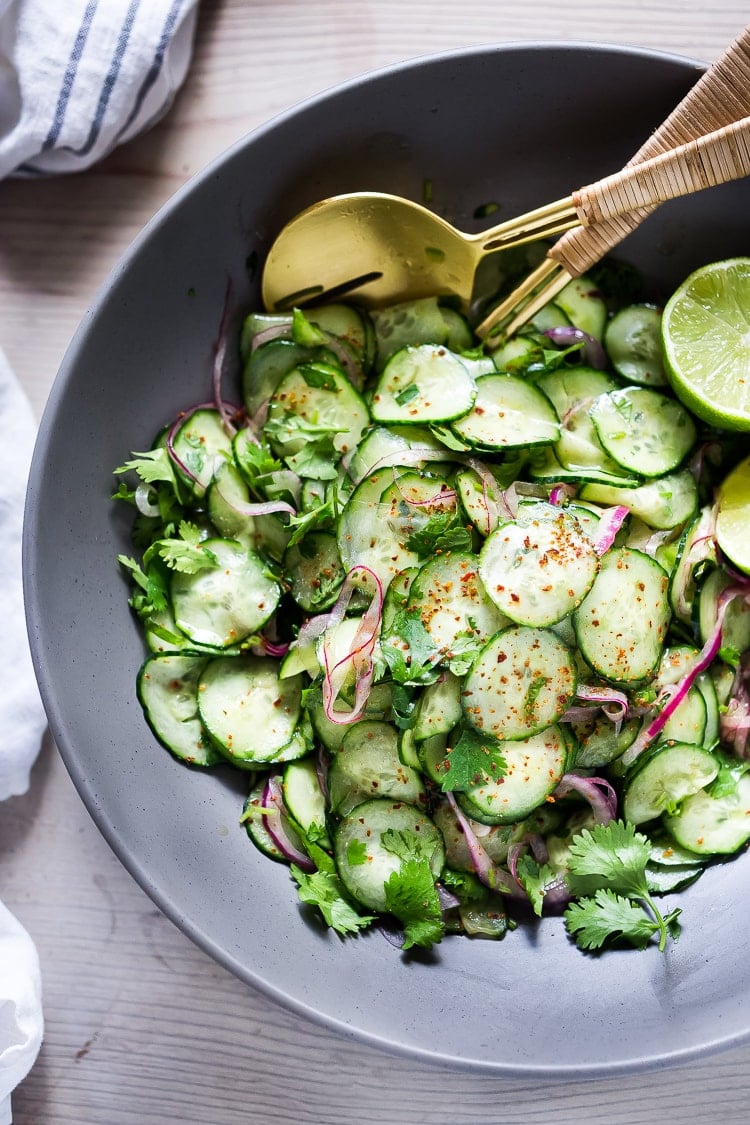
(706, 341)
(733, 516)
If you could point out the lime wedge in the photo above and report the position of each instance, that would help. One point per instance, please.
(733, 516)
(706, 339)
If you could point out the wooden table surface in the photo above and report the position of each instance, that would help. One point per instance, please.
(142, 1027)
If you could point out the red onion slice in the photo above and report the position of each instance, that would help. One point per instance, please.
(609, 523)
(567, 336)
(596, 790)
(277, 825)
(359, 658)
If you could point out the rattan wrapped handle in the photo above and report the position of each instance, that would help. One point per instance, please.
(720, 96)
(707, 161)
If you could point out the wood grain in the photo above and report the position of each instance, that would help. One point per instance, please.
(142, 1027)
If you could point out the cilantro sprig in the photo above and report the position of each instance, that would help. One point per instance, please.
(607, 868)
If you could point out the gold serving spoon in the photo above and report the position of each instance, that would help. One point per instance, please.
(382, 248)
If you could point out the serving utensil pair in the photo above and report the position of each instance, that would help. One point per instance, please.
(381, 248)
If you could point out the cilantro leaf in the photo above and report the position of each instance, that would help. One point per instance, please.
(323, 889)
(185, 553)
(536, 880)
(474, 758)
(409, 650)
(410, 892)
(152, 466)
(254, 460)
(611, 855)
(151, 582)
(609, 863)
(609, 916)
(442, 532)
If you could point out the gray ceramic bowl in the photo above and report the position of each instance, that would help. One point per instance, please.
(517, 124)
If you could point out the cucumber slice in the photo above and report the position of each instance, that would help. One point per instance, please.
(201, 444)
(583, 305)
(522, 681)
(363, 858)
(508, 412)
(481, 500)
(255, 822)
(167, 688)
(632, 340)
(496, 839)
(439, 708)
(368, 765)
(224, 605)
(267, 366)
(599, 742)
(710, 825)
(422, 384)
(331, 734)
(385, 443)
(538, 567)
(408, 323)
(226, 494)
(452, 603)
(314, 571)
(675, 772)
(663, 503)
(644, 431)
(321, 399)
(534, 768)
(305, 800)
(250, 713)
(622, 622)
(735, 630)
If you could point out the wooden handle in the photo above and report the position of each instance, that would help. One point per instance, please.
(720, 96)
(713, 159)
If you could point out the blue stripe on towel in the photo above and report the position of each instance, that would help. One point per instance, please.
(156, 64)
(110, 81)
(69, 76)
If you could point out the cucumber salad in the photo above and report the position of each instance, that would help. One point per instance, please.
(458, 612)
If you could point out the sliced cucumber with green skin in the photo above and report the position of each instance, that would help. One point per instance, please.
(644, 431)
(735, 630)
(380, 517)
(408, 323)
(305, 799)
(319, 397)
(255, 820)
(314, 570)
(710, 825)
(676, 771)
(544, 465)
(534, 768)
(508, 412)
(622, 622)
(522, 681)
(368, 765)
(663, 503)
(201, 443)
(363, 858)
(267, 366)
(331, 734)
(481, 500)
(431, 755)
(568, 387)
(584, 306)
(452, 602)
(599, 742)
(439, 708)
(226, 494)
(632, 340)
(167, 687)
(382, 444)
(427, 383)
(250, 713)
(538, 567)
(233, 600)
(669, 880)
(696, 550)
(496, 839)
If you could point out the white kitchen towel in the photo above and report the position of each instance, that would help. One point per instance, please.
(21, 1021)
(78, 77)
(22, 719)
(22, 724)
